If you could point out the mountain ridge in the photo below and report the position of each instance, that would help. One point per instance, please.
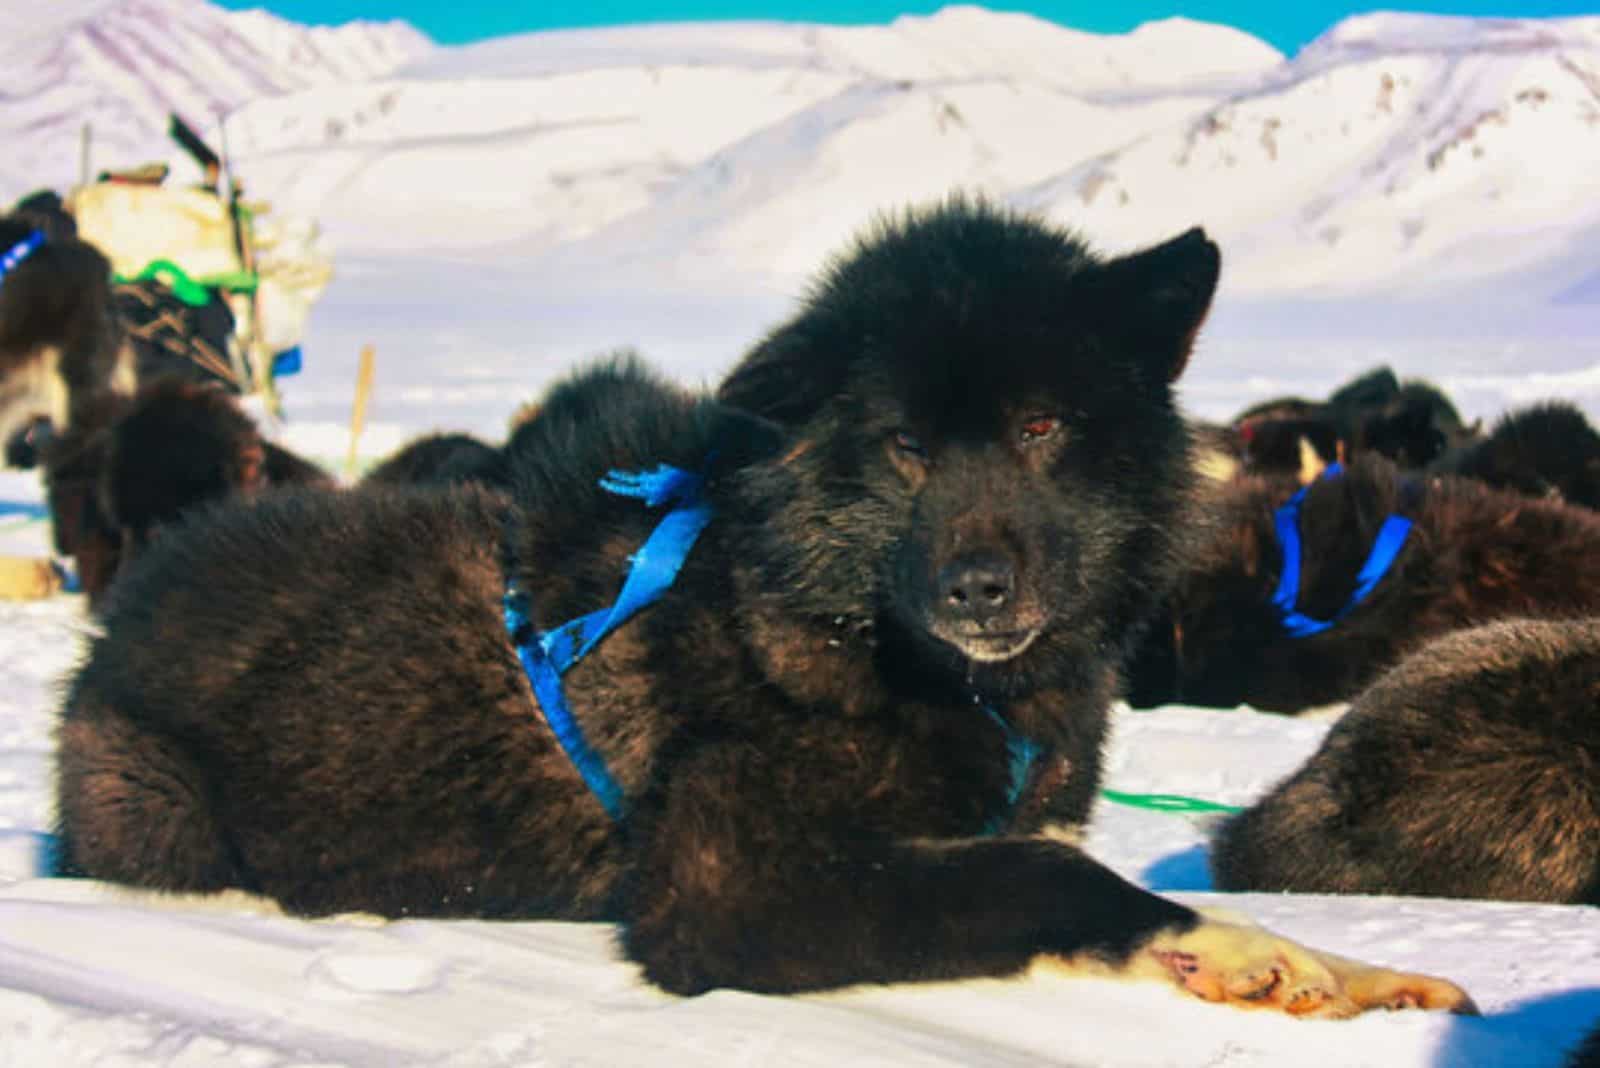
(119, 67)
(1394, 153)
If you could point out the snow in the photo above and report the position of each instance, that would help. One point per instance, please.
(1395, 155)
(119, 67)
(1453, 152)
(508, 209)
(958, 41)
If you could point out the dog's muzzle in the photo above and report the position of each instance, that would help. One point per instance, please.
(976, 607)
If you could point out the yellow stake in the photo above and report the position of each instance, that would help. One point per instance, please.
(358, 416)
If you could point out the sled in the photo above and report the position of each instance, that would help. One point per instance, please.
(175, 246)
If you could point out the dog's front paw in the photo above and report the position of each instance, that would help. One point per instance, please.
(1249, 966)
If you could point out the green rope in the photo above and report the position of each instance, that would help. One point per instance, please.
(1167, 802)
(195, 292)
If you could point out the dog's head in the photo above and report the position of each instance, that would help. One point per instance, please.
(179, 445)
(60, 344)
(983, 423)
(1414, 428)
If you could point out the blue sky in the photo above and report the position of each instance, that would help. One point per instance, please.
(1285, 23)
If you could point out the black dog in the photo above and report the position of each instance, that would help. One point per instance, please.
(931, 510)
(1467, 771)
(1473, 554)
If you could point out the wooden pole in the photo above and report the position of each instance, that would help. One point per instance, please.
(253, 365)
(358, 415)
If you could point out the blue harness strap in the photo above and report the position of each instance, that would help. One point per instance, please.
(14, 255)
(546, 657)
(1385, 550)
(1022, 751)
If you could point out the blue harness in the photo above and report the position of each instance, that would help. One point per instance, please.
(548, 655)
(19, 252)
(1385, 549)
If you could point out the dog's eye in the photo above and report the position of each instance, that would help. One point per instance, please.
(910, 445)
(1038, 428)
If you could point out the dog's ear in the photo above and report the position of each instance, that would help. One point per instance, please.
(785, 378)
(1371, 390)
(1158, 297)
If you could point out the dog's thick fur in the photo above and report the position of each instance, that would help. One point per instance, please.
(131, 466)
(443, 459)
(951, 480)
(1474, 555)
(60, 341)
(1545, 450)
(1470, 770)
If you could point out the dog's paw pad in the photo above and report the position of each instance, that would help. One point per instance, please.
(1252, 975)
(1309, 1001)
(1260, 985)
(1251, 967)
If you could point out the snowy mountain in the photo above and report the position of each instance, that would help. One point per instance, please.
(1394, 147)
(751, 146)
(1395, 153)
(1402, 155)
(120, 66)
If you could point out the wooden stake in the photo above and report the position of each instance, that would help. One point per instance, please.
(358, 416)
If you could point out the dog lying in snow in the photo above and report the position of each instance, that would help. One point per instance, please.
(891, 569)
(1467, 771)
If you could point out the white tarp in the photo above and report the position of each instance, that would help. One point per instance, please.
(137, 225)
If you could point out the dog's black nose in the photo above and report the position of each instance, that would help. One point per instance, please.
(26, 446)
(977, 587)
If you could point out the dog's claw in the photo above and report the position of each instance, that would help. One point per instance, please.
(1258, 986)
